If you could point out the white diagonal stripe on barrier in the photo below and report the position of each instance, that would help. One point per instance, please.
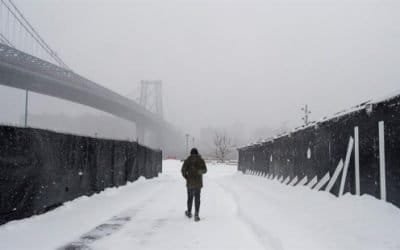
(335, 176)
(322, 182)
(286, 181)
(294, 181)
(303, 181)
(312, 183)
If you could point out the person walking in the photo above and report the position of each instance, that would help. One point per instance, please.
(192, 170)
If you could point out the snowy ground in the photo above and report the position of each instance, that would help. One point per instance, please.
(238, 212)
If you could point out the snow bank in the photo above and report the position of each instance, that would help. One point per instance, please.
(288, 217)
(74, 218)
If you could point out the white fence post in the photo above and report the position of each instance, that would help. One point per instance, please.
(382, 167)
(346, 165)
(357, 160)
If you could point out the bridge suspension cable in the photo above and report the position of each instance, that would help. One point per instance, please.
(17, 32)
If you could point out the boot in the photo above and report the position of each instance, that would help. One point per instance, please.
(188, 214)
(196, 217)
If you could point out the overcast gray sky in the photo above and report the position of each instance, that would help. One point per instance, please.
(221, 62)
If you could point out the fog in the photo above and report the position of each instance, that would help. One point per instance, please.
(243, 64)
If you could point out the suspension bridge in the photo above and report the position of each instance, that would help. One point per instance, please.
(28, 62)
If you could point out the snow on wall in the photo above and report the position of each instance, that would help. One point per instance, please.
(366, 106)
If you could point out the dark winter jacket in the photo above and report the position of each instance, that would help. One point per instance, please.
(192, 170)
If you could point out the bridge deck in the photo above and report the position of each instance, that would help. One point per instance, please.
(21, 70)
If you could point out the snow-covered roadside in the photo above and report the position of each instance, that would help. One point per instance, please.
(238, 212)
(297, 218)
(74, 218)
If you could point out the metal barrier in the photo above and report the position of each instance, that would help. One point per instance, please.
(40, 169)
(356, 151)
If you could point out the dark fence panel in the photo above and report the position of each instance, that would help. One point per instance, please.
(131, 168)
(316, 150)
(40, 169)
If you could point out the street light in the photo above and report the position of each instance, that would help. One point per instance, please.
(306, 114)
(187, 144)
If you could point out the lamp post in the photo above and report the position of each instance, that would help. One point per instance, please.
(307, 112)
(187, 144)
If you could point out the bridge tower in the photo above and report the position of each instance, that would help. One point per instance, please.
(151, 96)
(151, 99)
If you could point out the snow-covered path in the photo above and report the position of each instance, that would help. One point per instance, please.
(160, 224)
(238, 212)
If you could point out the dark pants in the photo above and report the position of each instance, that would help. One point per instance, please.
(193, 193)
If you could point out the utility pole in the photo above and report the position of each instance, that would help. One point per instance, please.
(307, 112)
(187, 144)
(26, 108)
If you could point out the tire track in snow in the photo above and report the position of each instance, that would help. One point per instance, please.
(147, 224)
(101, 231)
(111, 226)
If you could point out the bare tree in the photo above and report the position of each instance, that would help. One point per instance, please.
(223, 145)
